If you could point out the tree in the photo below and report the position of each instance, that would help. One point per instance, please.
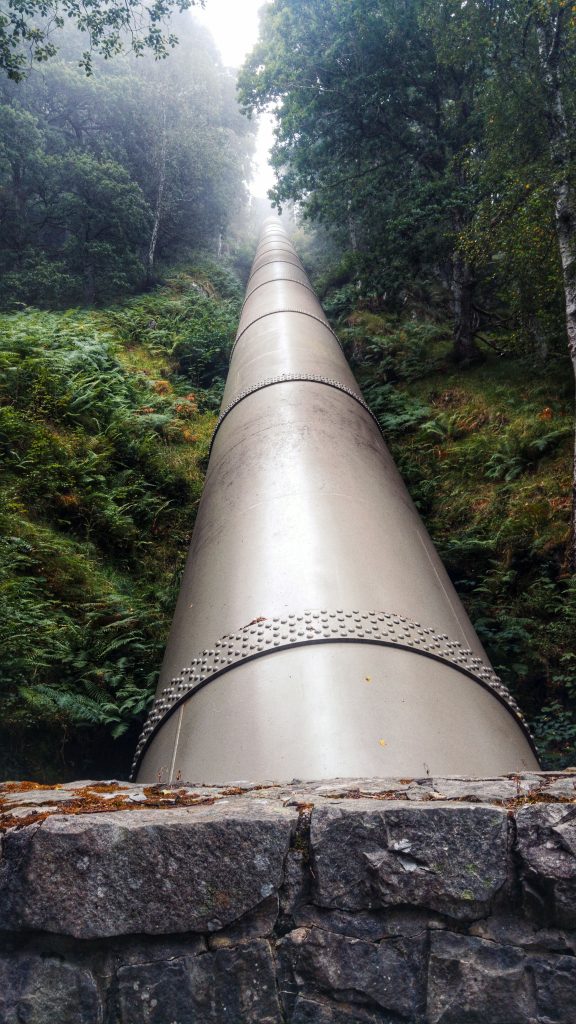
(436, 139)
(528, 140)
(102, 177)
(375, 126)
(27, 29)
(103, 216)
(555, 33)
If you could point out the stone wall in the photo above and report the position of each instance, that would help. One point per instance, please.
(445, 901)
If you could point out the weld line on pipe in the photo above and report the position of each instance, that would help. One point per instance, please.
(273, 280)
(276, 312)
(267, 263)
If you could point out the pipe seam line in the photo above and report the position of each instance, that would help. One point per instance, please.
(275, 312)
(268, 263)
(273, 280)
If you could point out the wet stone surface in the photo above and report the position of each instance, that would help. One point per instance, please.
(189, 869)
(363, 901)
(452, 859)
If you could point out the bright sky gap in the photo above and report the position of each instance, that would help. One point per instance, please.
(234, 28)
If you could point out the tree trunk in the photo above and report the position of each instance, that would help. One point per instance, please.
(88, 275)
(549, 34)
(159, 200)
(352, 235)
(89, 284)
(465, 349)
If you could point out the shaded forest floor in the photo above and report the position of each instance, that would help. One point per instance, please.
(105, 422)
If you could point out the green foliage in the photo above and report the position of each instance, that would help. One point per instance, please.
(102, 179)
(373, 140)
(196, 333)
(405, 350)
(428, 139)
(397, 412)
(486, 455)
(27, 30)
(522, 449)
(103, 443)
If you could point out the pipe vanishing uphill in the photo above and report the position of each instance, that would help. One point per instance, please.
(316, 634)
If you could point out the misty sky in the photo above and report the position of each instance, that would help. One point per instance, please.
(234, 26)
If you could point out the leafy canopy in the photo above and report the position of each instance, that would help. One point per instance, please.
(27, 28)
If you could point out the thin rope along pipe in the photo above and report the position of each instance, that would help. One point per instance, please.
(275, 312)
(290, 378)
(382, 629)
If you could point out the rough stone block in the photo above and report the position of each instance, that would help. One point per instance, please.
(296, 883)
(563, 787)
(39, 990)
(546, 842)
(149, 948)
(482, 791)
(471, 982)
(555, 982)
(513, 929)
(476, 982)
(371, 926)
(452, 859)
(95, 875)
(388, 975)
(316, 1011)
(258, 923)
(228, 986)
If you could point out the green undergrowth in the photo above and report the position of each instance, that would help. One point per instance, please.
(486, 453)
(105, 424)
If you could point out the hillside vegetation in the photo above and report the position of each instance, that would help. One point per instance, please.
(105, 422)
(486, 452)
(430, 145)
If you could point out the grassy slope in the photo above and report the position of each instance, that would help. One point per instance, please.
(486, 453)
(105, 421)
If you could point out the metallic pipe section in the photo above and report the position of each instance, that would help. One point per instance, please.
(317, 633)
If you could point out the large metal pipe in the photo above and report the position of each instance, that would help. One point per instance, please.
(316, 633)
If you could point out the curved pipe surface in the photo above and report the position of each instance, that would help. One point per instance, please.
(316, 633)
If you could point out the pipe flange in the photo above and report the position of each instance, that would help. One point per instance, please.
(288, 378)
(264, 636)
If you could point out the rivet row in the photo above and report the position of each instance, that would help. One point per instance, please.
(289, 378)
(317, 626)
